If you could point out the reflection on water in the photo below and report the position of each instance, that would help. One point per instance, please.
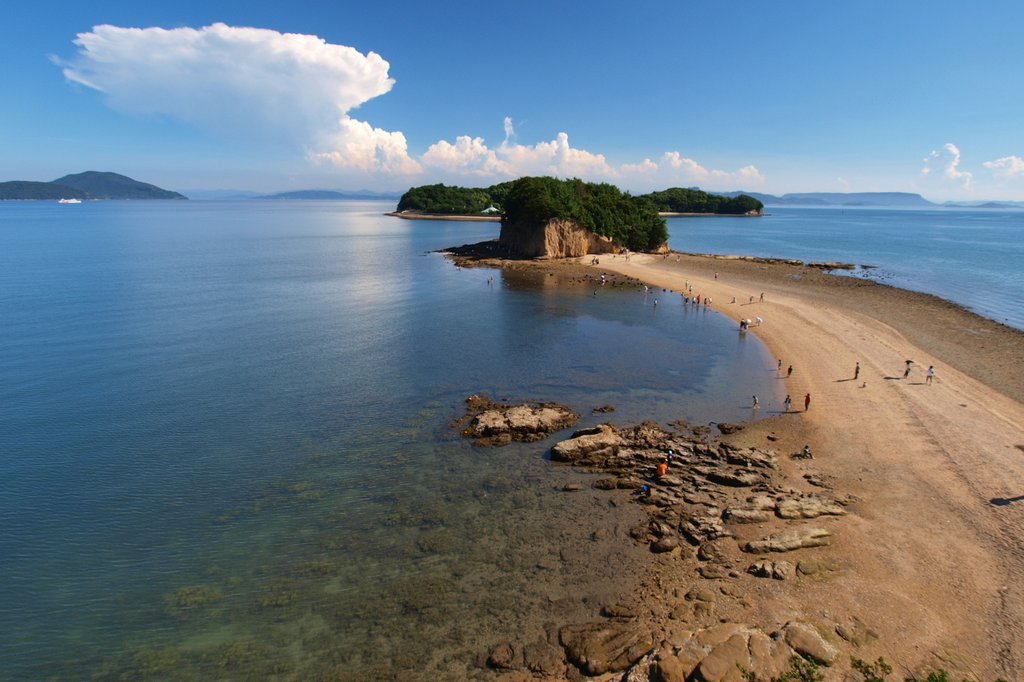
(226, 453)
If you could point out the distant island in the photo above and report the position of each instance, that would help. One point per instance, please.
(851, 199)
(544, 217)
(84, 186)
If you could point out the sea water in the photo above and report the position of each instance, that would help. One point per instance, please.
(226, 448)
(974, 257)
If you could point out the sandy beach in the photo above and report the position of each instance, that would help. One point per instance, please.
(933, 550)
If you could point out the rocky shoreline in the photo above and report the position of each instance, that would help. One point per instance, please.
(924, 566)
(723, 521)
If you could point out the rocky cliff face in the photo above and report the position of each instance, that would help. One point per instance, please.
(557, 238)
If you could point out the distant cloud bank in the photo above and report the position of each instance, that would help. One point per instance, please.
(944, 165)
(262, 85)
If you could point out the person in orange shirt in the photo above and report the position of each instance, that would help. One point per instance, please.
(662, 469)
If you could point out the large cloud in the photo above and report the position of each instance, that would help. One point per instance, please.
(472, 157)
(271, 88)
(1006, 168)
(249, 82)
(946, 163)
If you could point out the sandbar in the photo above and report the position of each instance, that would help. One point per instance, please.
(933, 553)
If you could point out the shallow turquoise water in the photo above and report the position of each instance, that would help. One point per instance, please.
(225, 451)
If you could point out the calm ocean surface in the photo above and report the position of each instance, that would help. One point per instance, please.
(972, 257)
(225, 449)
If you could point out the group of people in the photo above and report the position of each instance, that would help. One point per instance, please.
(788, 402)
(929, 375)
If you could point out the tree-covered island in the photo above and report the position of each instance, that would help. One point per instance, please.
(552, 217)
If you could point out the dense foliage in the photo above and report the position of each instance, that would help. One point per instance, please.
(630, 221)
(682, 200)
(445, 200)
(25, 189)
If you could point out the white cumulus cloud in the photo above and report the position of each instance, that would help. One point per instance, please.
(470, 156)
(1006, 167)
(270, 88)
(250, 82)
(945, 163)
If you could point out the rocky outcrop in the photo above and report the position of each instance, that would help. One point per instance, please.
(494, 423)
(789, 540)
(609, 646)
(708, 507)
(588, 445)
(557, 238)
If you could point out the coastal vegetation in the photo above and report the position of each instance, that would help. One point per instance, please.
(602, 208)
(443, 199)
(87, 185)
(682, 200)
(450, 200)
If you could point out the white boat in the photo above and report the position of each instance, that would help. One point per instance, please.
(69, 201)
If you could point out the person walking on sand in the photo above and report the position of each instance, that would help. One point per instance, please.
(807, 402)
(906, 372)
(787, 403)
(856, 370)
(789, 371)
(762, 297)
(779, 368)
(930, 375)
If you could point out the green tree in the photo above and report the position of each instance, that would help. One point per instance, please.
(629, 221)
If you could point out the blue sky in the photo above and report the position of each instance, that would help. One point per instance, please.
(773, 97)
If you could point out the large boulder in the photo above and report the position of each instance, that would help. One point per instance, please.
(808, 642)
(585, 443)
(607, 646)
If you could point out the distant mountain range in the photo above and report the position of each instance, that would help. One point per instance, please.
(84, 186)
(901, 199)
(984, 204)
(868, 199)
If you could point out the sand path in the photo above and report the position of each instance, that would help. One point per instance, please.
(935, 547)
